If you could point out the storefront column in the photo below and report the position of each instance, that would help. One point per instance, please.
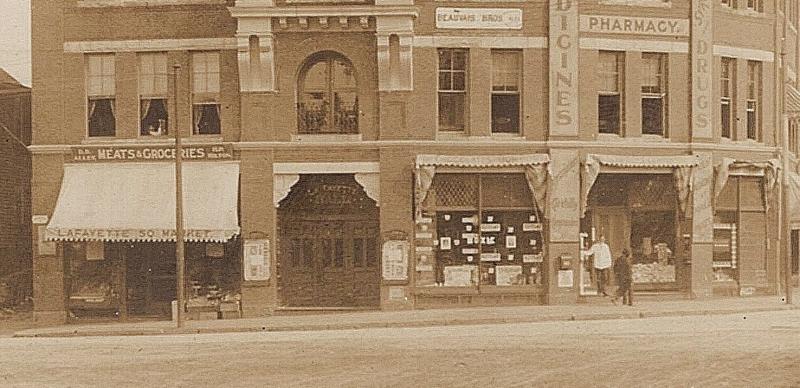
(259, 297)
(563, 250)
(397, 228)
(702, 227)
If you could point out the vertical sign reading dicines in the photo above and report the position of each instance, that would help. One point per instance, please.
(563, 46)
(702, 62)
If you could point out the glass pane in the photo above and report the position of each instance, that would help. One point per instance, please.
(146, 64)
(505, 113)
(459, 81)
(313, 112)
(653, 116)
(206, 119)
(212, 83)
(459, 60)
(445, 62)
(451, 111)
(160, 84)
(726, 119)
(345, 112)
(108, 65)
(297, 253)
(199, 63)
(372, 252)
(358, 252)
(751, 123)
(608, 114)
(338, 258)
(199, 83)
(101, 118)
(308, 252)
(343, 77)
(445, 79)
(327, 253)
(212, 62)
(316, 77)
(154, 117)
(95, 87)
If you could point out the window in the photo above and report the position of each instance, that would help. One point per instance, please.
(205, 93)
(153, 94)
(726, 96)
(506, 67)
(609, 99)
(753, 99)
(654, 92)
(755, 5)
(328, 99)
(791, 12)
(728, 3)
(100, 89)
(452, 89)
(793, 136)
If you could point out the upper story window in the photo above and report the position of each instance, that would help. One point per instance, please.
(205, 93)
(755, 5)
(753, 100)
(726, 79)
(794, 136)
(791, 12)
(610, 96)
(153, 114)
(728, 3)
(328, 96)
(100, 77)
(654, 93)
(506, 76)
(452, 89)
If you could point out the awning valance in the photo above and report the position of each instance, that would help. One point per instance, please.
(770, 169)
(533, 165)
(136, 202)
(680, 164)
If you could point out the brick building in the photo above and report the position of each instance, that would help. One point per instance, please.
(397, 154)
(15, 170)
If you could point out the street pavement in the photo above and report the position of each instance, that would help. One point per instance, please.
(594, 309)
(734, 350)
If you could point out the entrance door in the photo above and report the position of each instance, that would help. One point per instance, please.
(150, 278)
(614, 225)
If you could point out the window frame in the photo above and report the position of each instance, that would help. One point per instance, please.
(329, 59)
(661, 92)
(753, 100)
(206, 96)
(155, 93)
(619, 74)
(503, 55)
(464, 93)
(727, 95)
(106, 80)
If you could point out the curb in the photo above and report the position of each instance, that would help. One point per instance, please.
(636, 314)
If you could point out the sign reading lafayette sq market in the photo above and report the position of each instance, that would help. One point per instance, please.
(145, 153)
(634, 25)
(62, 234)
(479, 18)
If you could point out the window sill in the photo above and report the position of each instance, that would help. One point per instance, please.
(638, 3)
(461, 136)
(326, 138)
(744, 12)
(144, 3)
(165, 139)
(610, 137)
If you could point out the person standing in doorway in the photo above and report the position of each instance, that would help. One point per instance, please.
(602, 262)
(624, 278)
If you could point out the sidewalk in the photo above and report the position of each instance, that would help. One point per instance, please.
(596, 308)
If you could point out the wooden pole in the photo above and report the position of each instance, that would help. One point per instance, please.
(179, 244)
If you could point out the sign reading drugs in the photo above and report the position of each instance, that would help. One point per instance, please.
(634, 25)
(144, 153)
(563, 45)
(479, 18)
(702, 60)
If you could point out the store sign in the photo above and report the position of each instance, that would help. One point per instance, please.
(702, 56)
(479, 18)
(256, 260)
(395, 260)
(634, 25)
(563, 45)
(72, 234)
(144, 153)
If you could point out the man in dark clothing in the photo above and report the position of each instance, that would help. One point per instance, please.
(624, 278)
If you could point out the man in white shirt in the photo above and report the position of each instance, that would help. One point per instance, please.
(602, 262)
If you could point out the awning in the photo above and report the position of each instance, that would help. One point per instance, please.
(794, 198)
(136, 202)
(533, 165)
(680, 164)
(769, 168)
(792, 100)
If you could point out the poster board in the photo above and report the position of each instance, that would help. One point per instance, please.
(256, 260)
(395, 260)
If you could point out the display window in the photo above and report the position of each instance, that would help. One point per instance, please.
(95, 278)
(488, 230)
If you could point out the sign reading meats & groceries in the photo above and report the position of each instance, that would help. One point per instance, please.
(148, 153)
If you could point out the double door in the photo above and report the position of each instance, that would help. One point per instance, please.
(329, 263)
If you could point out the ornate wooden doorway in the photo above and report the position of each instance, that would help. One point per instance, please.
(328, 230)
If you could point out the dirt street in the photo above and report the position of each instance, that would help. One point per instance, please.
(760, 349)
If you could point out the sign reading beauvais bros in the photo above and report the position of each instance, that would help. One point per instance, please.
(142, 153)
(479, 18)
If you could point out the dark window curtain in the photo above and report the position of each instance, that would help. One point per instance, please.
(101, 118)
(153, 117)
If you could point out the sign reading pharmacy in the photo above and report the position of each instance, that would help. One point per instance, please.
(479, 18)
(634, 25)
(145, 153)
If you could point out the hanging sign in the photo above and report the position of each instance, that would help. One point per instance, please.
(395, 260)
(256, 260)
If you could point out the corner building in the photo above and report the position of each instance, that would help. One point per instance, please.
(397, 154)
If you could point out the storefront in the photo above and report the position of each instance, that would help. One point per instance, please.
(480, 229)
(114, 223)
(639, 204)
(743, 191)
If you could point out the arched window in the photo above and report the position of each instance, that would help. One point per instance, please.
(327, 95)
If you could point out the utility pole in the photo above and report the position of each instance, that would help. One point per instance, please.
(179, 244)
(785, 231)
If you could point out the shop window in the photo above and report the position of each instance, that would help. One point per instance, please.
(725, 242)
(726, 80)
(753, 99)
(358, 252)
(153, 94)
(506, 66)
(205, 94)
(452, 89)
(101, 95)
(654, 93)
(328, 96)
(610, 96)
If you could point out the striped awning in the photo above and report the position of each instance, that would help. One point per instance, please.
(482, 160)
(626, 161)
(136, 202)
(792, 100)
